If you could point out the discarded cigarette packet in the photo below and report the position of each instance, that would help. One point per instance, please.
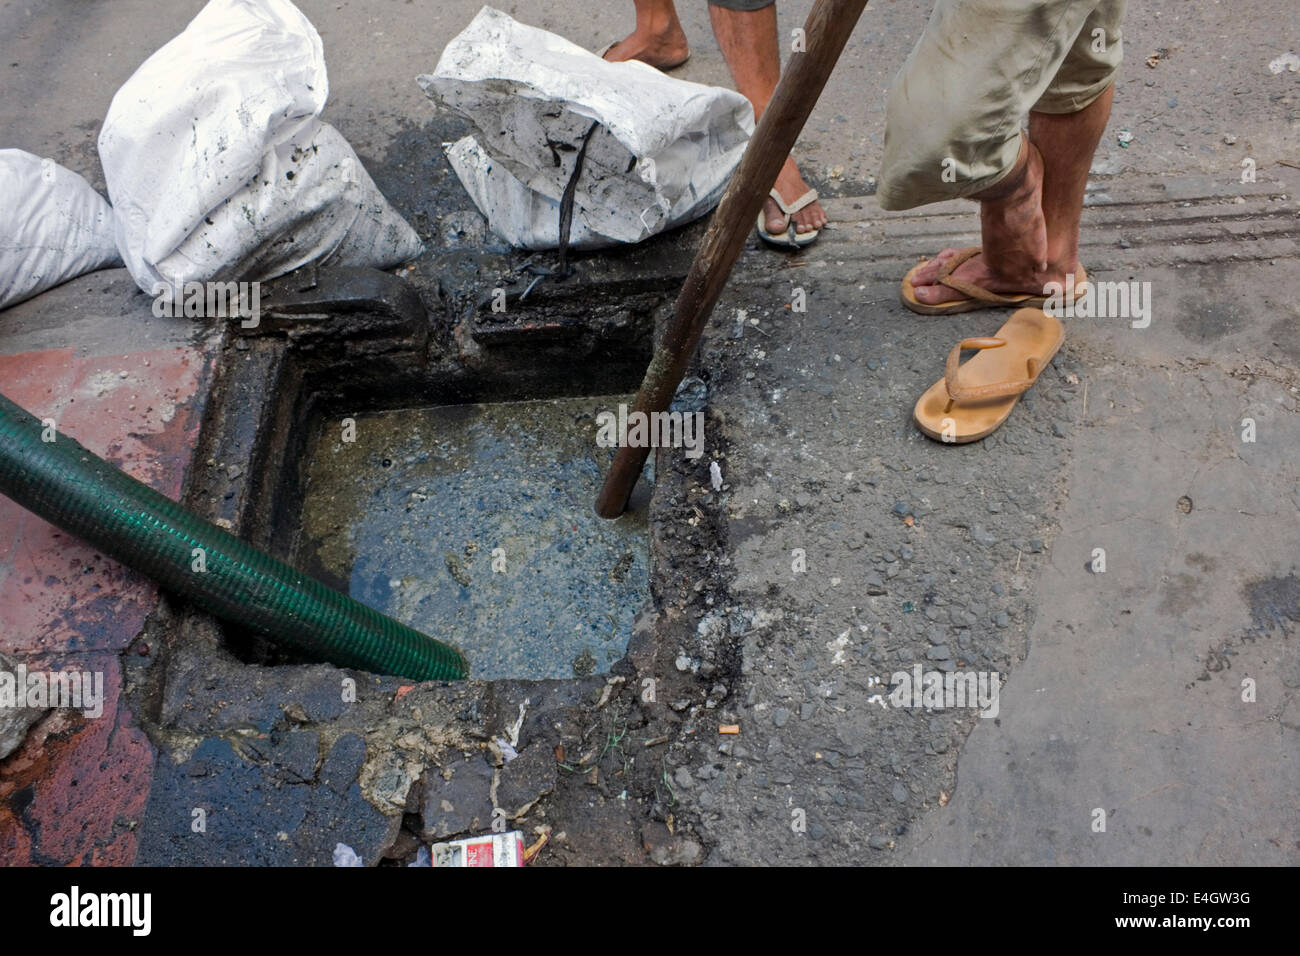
(492, 849)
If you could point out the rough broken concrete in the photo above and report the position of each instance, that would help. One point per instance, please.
(1125, 687)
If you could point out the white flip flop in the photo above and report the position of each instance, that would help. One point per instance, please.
(790, 239)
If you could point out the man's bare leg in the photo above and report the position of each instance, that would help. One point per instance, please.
(1030, 223)
(1013, 233)
(750, 45)
(657, 39)
(1070, 139)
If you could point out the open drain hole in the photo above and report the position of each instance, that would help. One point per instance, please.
(474, 524)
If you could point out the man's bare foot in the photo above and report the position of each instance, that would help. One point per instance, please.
(662, 47)
(1014, 235)
(790, 185)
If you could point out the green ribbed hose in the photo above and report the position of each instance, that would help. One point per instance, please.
(86, 496)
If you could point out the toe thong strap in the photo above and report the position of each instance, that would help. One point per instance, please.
(807, 199)
(964, 393)
(970, 289)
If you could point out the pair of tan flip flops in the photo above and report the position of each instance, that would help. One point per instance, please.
(971, 401)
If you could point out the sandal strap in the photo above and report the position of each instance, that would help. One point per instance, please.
(960, 256)
(965, 393)
(980, 294)
(807, 199)
(970, 289)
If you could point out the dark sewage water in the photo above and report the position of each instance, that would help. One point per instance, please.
(474, 524)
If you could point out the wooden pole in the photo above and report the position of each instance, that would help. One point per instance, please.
(826, 31)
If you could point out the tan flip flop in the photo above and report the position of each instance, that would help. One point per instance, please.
(977, 298)
(790, 238)
(992, 382)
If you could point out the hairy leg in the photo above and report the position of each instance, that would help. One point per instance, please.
(751, 47)
(1029, 222)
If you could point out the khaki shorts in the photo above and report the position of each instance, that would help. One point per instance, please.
(953, 125)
